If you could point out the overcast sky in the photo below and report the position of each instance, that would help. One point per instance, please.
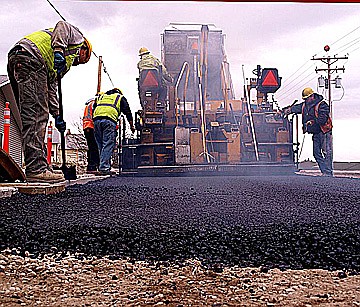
(282, 35)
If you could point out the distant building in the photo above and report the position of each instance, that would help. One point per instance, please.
(6, 94)
(75, 148)
(75, 144)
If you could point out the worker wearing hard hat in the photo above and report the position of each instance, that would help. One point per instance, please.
(93, 159)
(148, 61)
(33, 65)
(106, 115)
(316, 121)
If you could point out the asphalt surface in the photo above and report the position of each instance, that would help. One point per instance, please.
(294, 222)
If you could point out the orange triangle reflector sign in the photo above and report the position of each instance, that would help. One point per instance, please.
(270, 79)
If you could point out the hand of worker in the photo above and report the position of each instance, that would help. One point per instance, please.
(59, 61)
(132, 128)
(287, 111)
(60, 124)
(310, 122)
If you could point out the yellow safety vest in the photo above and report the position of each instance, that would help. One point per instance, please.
(108, 106)
(42, 40)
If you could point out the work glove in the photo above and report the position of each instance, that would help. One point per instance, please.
(59, 61)
(60, 124)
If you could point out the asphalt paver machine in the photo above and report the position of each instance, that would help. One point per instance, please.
(203, 128)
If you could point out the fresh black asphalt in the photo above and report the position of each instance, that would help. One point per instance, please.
(288, 222)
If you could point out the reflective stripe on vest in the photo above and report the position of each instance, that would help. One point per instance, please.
(42, 40)
(108, 106)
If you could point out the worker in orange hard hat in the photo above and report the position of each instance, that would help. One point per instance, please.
(316, 121)
(34, 64)
(148, 61)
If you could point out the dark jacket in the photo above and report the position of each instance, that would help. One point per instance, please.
(309, 113)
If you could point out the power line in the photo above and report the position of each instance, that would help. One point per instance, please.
(102, 62)
(346, 35)
(353, 42)
(56, 10)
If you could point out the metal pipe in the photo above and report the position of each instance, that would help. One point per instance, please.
(195, 80)
(185, 65)
(252, 126)
(185, 87)
(225, 84)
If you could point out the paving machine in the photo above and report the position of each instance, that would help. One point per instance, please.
(203, 128)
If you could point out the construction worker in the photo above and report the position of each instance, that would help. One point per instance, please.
(33, 65)
(316, 121)
(93, 159)
(148, 61)
(106, 115)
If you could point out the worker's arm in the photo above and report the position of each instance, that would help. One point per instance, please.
(125, 109)
(166, 75)
(65, 34)
(296, 109)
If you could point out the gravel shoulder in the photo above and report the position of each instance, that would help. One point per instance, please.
(103, 282)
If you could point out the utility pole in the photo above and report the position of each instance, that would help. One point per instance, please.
(330, 61)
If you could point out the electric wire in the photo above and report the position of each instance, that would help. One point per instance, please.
(93, 52)
(300, 86)
(290, 82)
(296, 86)
(345, 35)
(354, 42)
(342, 48)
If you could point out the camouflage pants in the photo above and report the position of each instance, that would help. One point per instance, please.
(28, 78)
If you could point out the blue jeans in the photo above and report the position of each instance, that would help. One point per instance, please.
(322, 151)
(105, 135)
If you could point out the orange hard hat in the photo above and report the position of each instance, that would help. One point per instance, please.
(88, 46)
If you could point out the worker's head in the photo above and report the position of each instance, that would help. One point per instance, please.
(143, 50)
(113, 91)
(85, 52)
(307, 92)
(88, 102)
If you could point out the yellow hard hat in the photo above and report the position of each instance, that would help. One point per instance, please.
(143, 50)
(87, 45)
(307, 92)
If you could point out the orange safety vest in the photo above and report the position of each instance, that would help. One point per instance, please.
(88, 115)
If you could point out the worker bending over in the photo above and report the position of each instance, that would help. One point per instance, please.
(33, 65)
(148, 61)
(316, 121)
(106, 115)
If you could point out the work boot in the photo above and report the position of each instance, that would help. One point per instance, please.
(56, 171)
(46, 177)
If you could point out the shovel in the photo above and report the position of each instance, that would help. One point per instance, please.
(68, 171)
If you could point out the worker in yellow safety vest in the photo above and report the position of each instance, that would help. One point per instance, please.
(93, 159)
(33, 66)
(107, 110)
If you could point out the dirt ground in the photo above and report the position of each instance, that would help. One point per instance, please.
(68, 281)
